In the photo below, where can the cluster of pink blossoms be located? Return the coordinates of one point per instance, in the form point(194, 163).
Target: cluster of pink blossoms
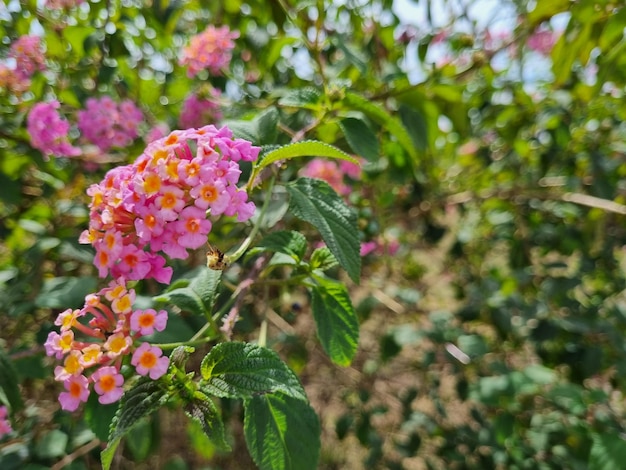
point(107, 124)
point(542, 41)
point(198, 110)
point(28, 56)
point(5, 426)
point(63, 4)
point(211, 50)
point(160, 202)
point(332, 173)
point(108, 327)
point(48, 131)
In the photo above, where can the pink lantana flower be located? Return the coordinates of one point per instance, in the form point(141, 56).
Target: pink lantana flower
point(28, 55)
point(200, 110)
point(147, 321)
point(210, 50)
point(192, 227)
point(107, 124)
point(108, 384)
point(149, 360)
point(49, 131)
point(77, 387)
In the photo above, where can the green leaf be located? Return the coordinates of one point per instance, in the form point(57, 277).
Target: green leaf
point(140, 440)
point(282, 432)
point(288, 242)
point(267, 126)
point(379, 114)
point(323, 259)
point(199, 296)
point(307, 148)
point(608, 452)
point(99, 416)
point(546, 10)
point(301, 98)
point(262, 130)
point(314, 201)
point(360, 137)
point(415, 123)
point(241, 370)
point(52, 445)
point(204, 412)
point(9, 382)
point(76, 36)
point(336, 320)
point(142, 400)
point(65, 292)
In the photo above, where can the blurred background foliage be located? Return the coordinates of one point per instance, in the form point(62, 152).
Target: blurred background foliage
point(492, 338)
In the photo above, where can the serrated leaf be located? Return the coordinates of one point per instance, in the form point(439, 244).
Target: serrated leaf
point(243, 130)
point(204, 412)
point(307, 148)
point(608, 452)
point(241, 370)
point(140, 401)
point(9, 382)
point(314, 201)
point(267, 126)
point(379, 114)
point(360, 137)
point(323, 259)
point(198, 297)
point(282, 432)
point(336, 321)
point(301, 98)
point(262, 130)
point(286, 241)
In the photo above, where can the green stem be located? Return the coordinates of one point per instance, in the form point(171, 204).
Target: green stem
point(192, 342)
point(232, 257)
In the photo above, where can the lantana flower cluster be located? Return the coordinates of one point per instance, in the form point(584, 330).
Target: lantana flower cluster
point(94, 340)
point(332, 173)
point(210, 50)
point(28, 55)
point(199, 109)
point(159, 204)
point(49, 131)
point(63, 4)
point(107, 124)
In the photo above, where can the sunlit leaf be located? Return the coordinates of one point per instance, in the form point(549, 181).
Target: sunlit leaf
point(282, 432)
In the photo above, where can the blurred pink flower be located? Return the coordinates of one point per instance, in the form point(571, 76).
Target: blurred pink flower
point(107, 124)
point(28, 55)
point(11, 81)
point(62, 4)
point(198, 111)
point(542, 41)
point(332, 173)
point(48, 131)
point(5, 425)
point(159, 131)
point(211, 50)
